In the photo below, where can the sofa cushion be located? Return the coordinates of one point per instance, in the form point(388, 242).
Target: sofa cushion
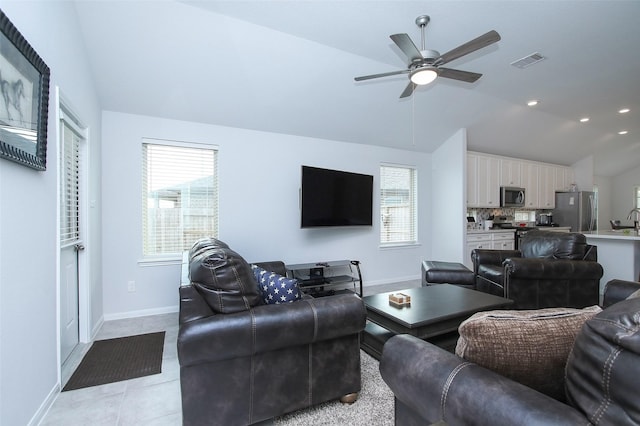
point(528, 346)
point(604, 366)
point(554, 245)
point(634, 295)
point(275, 288)
point(224, 279)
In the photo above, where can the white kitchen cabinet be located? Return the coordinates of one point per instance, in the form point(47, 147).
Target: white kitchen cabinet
point(487, 173)
point(487, 181)
point(488, 241)
point(472, 180)
point(547, 187)
point(504, 241)
point(510, 172)
point(530, 177)
point(477, 241)
point(483, 181)
point(564, 178)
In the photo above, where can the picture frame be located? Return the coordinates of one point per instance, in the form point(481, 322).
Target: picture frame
point(24, 99)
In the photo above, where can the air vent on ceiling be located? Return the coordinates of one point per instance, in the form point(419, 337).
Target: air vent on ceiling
point(528, 60)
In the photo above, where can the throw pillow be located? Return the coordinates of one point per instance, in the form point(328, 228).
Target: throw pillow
point(275, 288)
point(529, 346)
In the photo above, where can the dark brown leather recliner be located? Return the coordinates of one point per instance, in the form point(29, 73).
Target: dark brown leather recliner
point(243, 362)
point(601, 378)
point(551, 269)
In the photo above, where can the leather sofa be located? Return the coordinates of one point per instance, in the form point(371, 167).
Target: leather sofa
point(243, 361)
point(550, 269)
point(432, 385)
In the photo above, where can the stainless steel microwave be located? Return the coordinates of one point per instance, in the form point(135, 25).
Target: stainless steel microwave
point(511, 196)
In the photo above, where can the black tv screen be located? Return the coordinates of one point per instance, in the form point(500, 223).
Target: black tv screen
point(335, 198)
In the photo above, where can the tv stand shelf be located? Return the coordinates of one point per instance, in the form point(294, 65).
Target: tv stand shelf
point(320, 278)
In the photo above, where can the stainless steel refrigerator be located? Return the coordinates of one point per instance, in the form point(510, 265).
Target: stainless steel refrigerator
point(577, 210)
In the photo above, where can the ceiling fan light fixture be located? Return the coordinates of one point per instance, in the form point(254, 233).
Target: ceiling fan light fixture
point(423, 75)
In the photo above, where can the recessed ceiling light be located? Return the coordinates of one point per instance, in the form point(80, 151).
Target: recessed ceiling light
point(584, 119)
point(532, 102)
point(624, 110)
point(623, 132)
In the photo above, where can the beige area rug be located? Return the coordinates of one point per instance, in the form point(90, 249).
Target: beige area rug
point(373, 407)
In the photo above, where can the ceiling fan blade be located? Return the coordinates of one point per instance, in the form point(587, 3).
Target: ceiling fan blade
point(384, 74)
point(408, 90)
point(403, 41)
point(470, 46)
point(466, 76)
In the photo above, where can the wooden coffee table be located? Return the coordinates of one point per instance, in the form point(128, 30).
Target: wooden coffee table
point(434, 315)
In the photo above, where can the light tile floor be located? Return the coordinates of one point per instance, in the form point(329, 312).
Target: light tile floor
point(152, 400)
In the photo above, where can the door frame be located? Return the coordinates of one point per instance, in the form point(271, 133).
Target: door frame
point(84, 293)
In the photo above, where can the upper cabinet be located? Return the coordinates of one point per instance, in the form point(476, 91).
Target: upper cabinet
point(564, 178)
point(547, 187)
point(510, 172)
point(530, 177)
point(483, 181)
point(487, 173)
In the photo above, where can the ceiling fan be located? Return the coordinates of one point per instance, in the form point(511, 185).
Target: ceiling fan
point(425, 65)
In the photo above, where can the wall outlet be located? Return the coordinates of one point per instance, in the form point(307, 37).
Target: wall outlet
point(131, 286)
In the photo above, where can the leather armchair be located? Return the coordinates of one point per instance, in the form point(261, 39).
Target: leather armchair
point(254, 364)
point(432, 385)
point(551, 269)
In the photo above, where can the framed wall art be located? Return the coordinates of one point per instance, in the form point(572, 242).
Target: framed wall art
point(24, 99)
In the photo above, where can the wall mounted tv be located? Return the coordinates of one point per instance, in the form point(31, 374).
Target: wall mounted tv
point(335, 198)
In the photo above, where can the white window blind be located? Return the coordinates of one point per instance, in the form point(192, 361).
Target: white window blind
point(70, 185)
point(398, 205)
point(179, 196)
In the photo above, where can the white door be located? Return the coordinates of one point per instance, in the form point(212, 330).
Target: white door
point(71, 245)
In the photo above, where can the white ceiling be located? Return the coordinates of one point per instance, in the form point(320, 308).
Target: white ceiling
point(288, 67)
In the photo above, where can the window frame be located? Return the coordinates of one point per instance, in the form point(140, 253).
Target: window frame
point(169, 257)
point(412, 198)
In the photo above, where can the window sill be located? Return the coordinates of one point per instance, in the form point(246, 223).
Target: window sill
point(399, 246)
point(160, 261)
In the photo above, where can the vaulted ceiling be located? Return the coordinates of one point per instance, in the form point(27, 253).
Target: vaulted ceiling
point(288, 67)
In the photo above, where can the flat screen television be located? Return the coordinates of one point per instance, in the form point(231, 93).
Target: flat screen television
point(335, 198)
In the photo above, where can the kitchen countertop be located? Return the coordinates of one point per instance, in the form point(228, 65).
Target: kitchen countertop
point(614, 235)
point(489, 231)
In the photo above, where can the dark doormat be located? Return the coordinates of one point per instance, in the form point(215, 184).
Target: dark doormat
point(113, 360)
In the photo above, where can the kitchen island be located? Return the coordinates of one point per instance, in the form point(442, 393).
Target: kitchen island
point(618, 253)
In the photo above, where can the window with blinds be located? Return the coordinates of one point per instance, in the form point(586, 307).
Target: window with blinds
point(70, 185)
point(179, 196)
point(398, 205)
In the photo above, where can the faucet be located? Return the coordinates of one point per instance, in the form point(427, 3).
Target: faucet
point(636, 222)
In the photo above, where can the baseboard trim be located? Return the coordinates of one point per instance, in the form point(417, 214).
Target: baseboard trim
point(141, 313)
point(45, 406)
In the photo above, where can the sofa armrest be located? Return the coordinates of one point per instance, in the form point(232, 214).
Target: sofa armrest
point(192, 305)
point(266, 328)
point(438, 385)
point(491, 257)
point(618, 290)
point(552, 269)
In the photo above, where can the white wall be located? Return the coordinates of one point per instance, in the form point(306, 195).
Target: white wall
point(584, 173)
point(28, 205)
point(259, 208)
point(605, 202)
point(448, 199)
point(622, 193)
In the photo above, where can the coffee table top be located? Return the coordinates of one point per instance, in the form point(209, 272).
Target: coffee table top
point(433, 304)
